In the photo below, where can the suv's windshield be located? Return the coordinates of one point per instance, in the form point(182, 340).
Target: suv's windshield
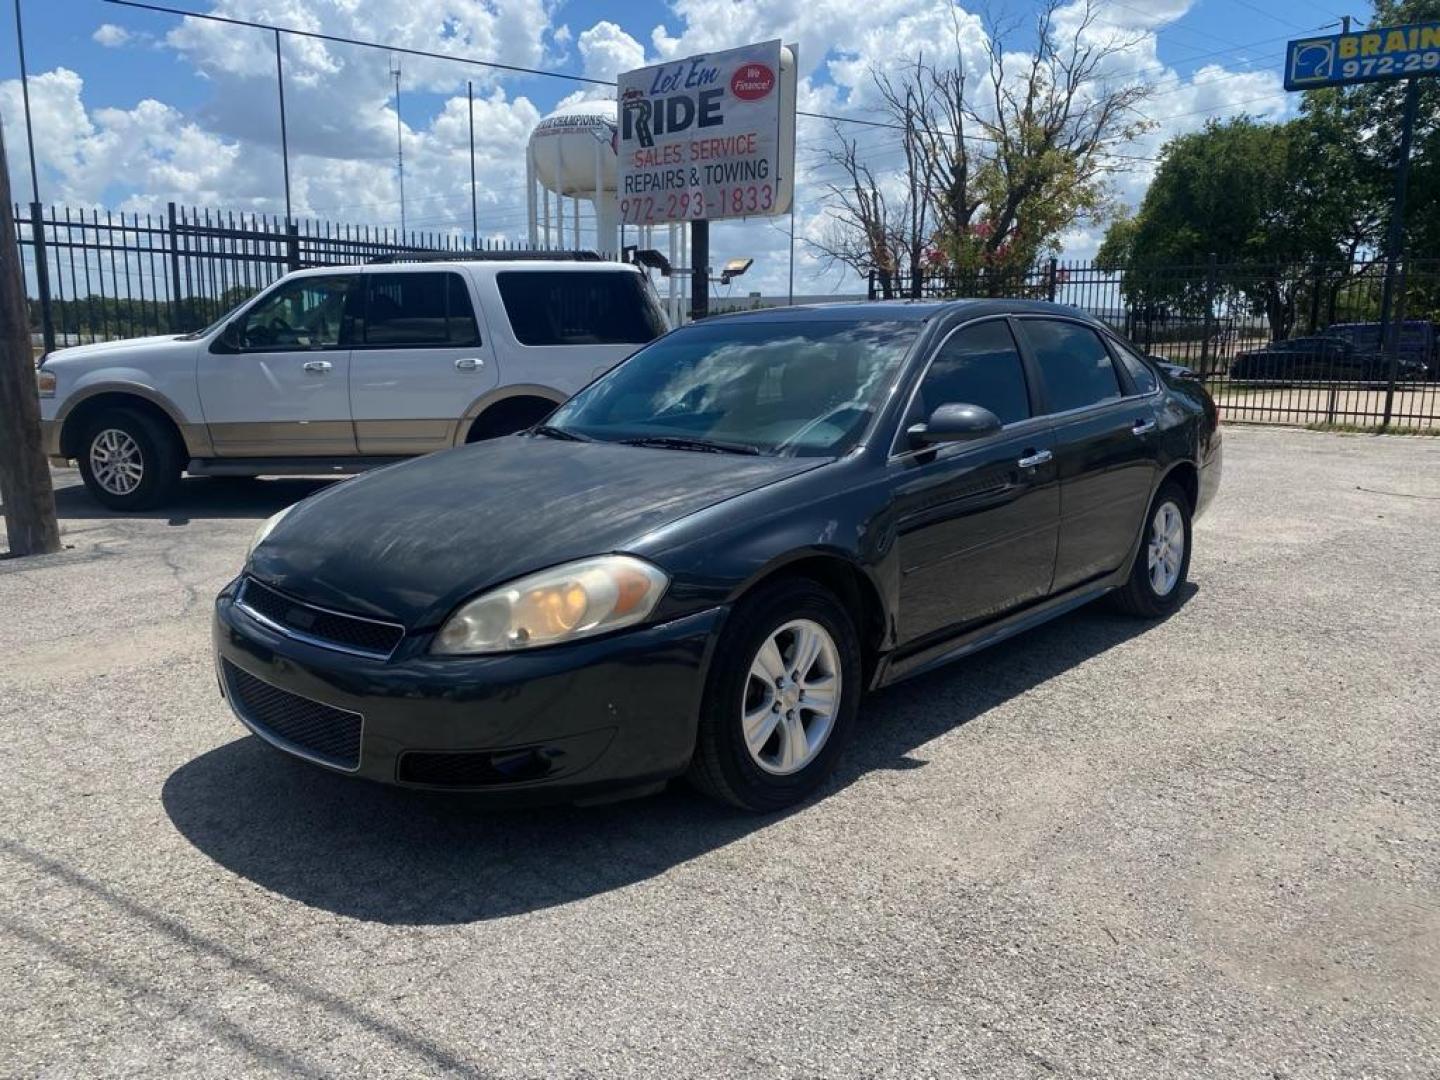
point(806, 388)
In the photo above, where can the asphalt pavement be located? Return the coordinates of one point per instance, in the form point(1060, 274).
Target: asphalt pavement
point(1208, 847)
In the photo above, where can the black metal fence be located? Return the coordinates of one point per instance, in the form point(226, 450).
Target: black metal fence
point(96, 275)
point(1295, 344)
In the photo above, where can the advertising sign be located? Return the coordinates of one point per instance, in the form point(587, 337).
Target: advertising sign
point(708, 137)
point(1385, 52)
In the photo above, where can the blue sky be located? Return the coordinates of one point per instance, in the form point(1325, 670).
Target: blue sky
point(149, 109)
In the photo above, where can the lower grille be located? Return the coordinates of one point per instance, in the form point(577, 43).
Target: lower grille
point(467, 769)
point(323, 732)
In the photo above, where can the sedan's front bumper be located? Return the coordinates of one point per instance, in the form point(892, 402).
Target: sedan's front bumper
point(574, 721)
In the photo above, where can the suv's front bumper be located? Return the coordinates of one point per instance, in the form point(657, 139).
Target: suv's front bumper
point(581, 719)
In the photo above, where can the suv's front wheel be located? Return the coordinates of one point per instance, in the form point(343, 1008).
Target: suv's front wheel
point(129, 461)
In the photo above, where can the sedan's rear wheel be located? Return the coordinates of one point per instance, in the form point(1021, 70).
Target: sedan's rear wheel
point(1157, 579)
point(781, 698)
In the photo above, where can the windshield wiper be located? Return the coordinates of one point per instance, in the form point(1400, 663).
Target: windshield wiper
point(553, 432)
point(683, 442)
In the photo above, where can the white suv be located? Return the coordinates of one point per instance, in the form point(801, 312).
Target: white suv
point(342, 369)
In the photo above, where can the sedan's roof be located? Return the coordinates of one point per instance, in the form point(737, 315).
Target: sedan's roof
point(916, 311)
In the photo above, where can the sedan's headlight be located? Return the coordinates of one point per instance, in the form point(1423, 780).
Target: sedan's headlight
point(45, 383)
point(573, 601)
point(266, 527)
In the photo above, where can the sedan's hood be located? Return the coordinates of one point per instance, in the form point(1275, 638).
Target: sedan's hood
point(411, 541)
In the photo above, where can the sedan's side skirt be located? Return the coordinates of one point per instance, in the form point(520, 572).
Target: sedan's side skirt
point(893, 670)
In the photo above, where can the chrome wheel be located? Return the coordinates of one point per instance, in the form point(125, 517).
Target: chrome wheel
point(116, 461)
point(1166, 549)
point(791, 697)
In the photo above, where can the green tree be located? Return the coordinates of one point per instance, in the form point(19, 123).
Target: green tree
point(1265, 199)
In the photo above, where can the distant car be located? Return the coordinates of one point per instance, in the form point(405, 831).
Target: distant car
point(340, 369)
point(1320, 358)
point(1416, 339)
point(701, 561)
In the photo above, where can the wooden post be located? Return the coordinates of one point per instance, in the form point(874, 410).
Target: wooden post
point(25, 487)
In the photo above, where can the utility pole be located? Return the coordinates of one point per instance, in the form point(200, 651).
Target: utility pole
point(399, 145)
point(25, 488)
point(474, 205)
point(699, 269)
point(284, 137)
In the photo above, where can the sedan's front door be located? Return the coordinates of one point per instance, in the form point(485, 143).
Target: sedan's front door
point(1105, 437)
point(976, 522)
point(276, 384)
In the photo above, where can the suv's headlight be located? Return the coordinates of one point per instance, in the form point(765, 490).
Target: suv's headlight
point(567, 602)
point(45, 383)
point(265, 529)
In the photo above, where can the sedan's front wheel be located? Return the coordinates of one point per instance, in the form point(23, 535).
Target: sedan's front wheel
point(781, 700)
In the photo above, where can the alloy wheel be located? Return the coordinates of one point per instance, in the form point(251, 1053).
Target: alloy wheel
point(116, 461)
point(792, 697)
point(1166, 548)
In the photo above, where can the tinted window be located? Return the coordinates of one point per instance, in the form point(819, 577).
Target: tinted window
point(302, 314)
point(417, 309)
point(978, 365)
point(1139, 371)
point(804, 388)
point(1074, 362)
point(579, 307)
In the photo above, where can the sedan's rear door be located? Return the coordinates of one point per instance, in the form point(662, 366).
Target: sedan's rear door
point(1105, 446)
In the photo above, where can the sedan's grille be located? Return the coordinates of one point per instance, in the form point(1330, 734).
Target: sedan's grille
point(322, 626)
point(323, 732)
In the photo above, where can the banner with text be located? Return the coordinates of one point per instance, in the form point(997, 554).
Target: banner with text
point(708, 137)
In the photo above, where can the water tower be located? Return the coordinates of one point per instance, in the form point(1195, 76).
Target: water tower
point(571, 155)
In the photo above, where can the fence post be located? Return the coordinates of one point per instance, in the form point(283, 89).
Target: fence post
point(1053, 277)
point(42, 277)
point(292, 246)
point(177, 307)
point(1210, 286)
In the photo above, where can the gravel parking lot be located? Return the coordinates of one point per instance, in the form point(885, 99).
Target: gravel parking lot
point(1209, 847)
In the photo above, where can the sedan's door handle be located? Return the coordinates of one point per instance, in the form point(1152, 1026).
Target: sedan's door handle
point(1143, 427)
point(320, 366)
point(1031, 461)
point(469, 363)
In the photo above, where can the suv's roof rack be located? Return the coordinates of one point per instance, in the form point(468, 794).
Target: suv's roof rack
point(486, 256)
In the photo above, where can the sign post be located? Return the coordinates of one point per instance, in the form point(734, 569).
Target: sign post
point(1380, 54)
point(705, 139)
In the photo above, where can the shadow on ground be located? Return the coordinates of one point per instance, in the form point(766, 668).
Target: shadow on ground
point(395, 856)
point(202, 498)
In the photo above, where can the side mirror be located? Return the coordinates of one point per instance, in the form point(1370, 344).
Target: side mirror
point(954, 423)
point(231, 337)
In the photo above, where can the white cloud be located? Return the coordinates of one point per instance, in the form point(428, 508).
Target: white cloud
point(608, 50)
point(111, 36)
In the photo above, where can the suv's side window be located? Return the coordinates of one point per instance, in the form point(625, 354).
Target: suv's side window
point(977, 365)
point(1139, 371)
point(302, 314)
point(1074, 363)
point(417, 309)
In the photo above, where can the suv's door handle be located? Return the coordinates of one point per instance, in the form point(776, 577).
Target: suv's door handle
point(469, 363)
point(1143, 427)
point(1030, 461)
point(321, 366)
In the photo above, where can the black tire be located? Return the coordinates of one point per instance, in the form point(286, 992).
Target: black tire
point(723, 766)
point(509, 416)
point(159, 458)
point(1140, 596)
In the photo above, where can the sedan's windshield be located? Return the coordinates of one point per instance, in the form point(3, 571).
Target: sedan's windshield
point(806, 388)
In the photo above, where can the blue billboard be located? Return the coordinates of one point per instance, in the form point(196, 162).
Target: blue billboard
point(1384, 52)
